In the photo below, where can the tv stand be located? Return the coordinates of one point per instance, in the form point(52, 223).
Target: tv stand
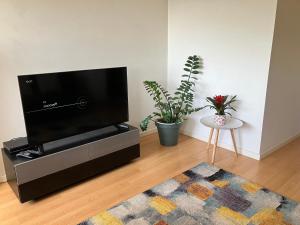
point(56, 169)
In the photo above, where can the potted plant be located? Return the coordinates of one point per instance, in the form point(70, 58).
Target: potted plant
point(221, 104)
point(172, 109)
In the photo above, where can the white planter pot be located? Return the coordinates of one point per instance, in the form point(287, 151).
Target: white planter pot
point(220, 120)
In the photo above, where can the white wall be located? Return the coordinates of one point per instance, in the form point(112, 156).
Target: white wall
point(282, 117)
point(233, 37)
point(235, 40)
point(57, 35)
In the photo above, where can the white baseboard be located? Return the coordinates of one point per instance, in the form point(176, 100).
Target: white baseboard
point(2, 179)
point(226, 146)
point(276, 147)
point(241, 151)
point(148, 132)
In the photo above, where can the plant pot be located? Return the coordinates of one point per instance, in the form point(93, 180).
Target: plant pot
point(220, 120)
point(168, 133)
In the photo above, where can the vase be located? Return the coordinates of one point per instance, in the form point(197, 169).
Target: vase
point(168, 133)
point(220, 120)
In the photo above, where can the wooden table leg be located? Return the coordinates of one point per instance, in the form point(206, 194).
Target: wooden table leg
point(215, 147)
point(210, 137)
point(234, 143)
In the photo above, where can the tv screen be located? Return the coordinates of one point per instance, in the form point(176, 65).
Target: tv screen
point(63, 104)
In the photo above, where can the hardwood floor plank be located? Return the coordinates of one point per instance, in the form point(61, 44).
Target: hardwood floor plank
point(279, 172)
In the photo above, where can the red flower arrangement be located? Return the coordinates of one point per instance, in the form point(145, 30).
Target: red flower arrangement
point(221, 104)
point(219, 99)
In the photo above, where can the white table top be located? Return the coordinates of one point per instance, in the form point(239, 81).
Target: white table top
point(231, 123)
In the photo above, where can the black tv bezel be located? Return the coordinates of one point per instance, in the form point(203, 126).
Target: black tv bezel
point(40, 145)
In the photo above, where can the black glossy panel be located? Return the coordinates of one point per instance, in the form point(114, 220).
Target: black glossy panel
point(59, 105)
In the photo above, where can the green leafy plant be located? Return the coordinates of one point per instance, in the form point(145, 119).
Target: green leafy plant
point(174, 108)
point(221, 104)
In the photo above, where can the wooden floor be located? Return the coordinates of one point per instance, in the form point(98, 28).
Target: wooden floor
point(279, 172)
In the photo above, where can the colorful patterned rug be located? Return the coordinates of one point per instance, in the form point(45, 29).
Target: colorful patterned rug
point(204, 195)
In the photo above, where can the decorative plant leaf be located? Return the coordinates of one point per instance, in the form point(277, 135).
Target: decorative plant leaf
point(144, 124)
point(173, 109)
point(221, 104)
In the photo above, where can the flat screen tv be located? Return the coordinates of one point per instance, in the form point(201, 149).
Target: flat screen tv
point(63, 104)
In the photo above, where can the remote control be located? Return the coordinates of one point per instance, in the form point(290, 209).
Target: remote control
point(25, 154)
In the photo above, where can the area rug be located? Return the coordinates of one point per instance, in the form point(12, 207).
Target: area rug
point(203, 195)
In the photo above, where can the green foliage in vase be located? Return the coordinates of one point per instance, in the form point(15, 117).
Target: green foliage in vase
point(174, 108)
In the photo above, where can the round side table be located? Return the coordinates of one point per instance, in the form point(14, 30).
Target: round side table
point(231, 124)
